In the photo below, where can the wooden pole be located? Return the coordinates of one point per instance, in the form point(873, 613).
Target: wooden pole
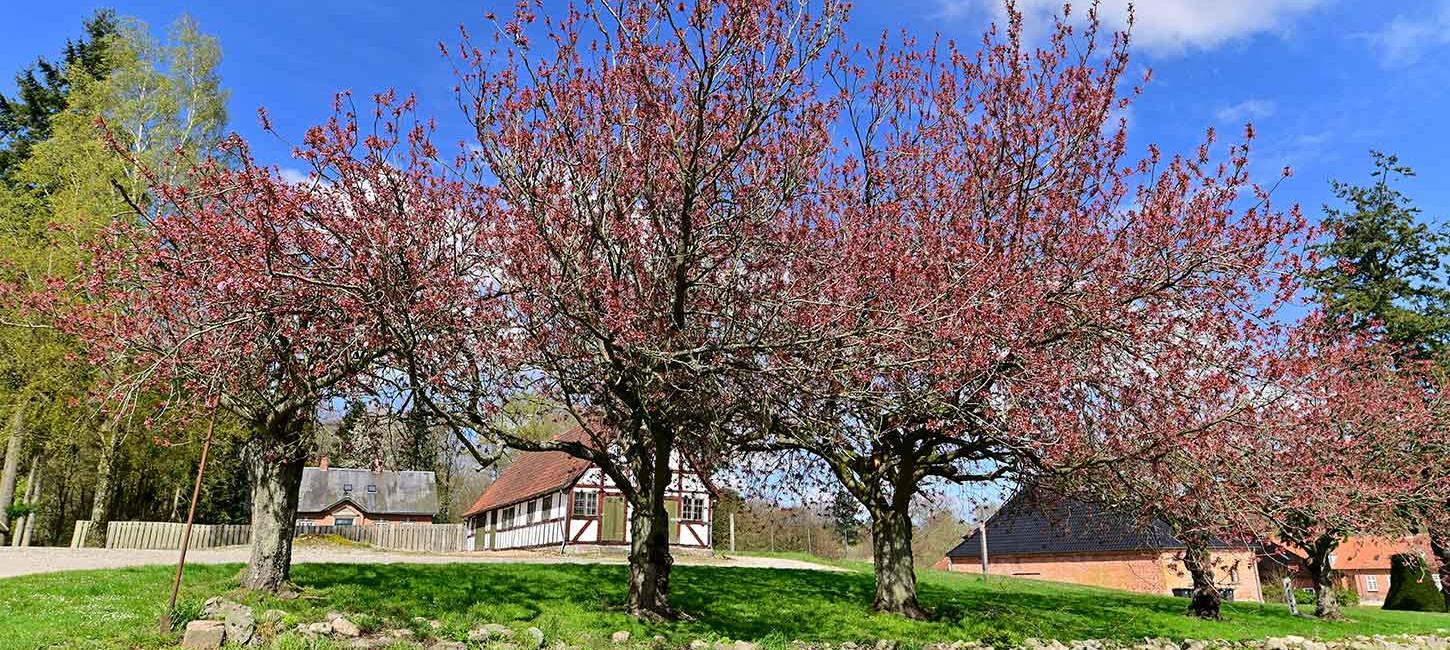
point(732, 531)
point(982, 529)
point(190, 518)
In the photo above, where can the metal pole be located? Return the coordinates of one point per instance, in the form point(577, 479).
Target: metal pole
point(190, 518)
point(982, 530)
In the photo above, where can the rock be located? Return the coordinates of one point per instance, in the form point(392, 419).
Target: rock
point(322, 628)
point(371, 643)
point(237, 618)
point(288, 594)
point(746, 645)
point(533, 638)
point(400, 633)
point(332, 616)
point(699, 644)
point(204, 635)
point(432, 624)
point(448, 645)
point(619, 638)
point(343, 627)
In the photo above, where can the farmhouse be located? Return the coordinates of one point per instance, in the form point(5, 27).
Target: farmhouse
point(554, 500)
point(355, 497)
point(1361, 564)
point(1055, 538)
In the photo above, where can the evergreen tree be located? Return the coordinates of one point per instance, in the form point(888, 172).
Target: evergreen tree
point(845, 515)
point(1383, 265)
point(43, 87)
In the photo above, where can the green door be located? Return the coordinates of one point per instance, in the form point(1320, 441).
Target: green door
point(672, 508)
point(612, 527)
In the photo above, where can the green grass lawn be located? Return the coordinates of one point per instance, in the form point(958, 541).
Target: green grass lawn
point(580, 604)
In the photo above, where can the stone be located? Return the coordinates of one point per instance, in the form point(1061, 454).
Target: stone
point(533, 638)
point(321, 628)
point(448, 645)
point(288, 594)
point(746, 645)
point(370, 643)
point(343, 627)
point(401, 633)
point(699, 644)
point(620, 637)
point(236, 617)
point(204, 635)
point(332, 616)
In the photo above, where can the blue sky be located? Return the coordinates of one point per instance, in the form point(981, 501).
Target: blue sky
point(1322, 80)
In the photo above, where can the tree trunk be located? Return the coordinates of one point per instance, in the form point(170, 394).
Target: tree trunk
point(275, 458)
point(650, 560)
point(895, 570)
point(8, 476)
point(1326, 604)
point(32, 497)
point(105, 489)
point(1205, 601)
point(1440, 546)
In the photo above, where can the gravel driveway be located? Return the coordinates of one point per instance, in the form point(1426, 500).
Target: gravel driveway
point(44, 559)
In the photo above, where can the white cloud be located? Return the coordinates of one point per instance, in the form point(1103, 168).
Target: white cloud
point(1405, 39)
point(1246, 111)
point(1162, 26)
point(293, 176)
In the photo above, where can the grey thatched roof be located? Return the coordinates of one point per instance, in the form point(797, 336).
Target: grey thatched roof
point(392, 493)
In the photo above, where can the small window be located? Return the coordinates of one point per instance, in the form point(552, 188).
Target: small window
point(508, 518)
point(342, 521)
point(533, 512)
point(1372, 583)
point(549, 506)
point(346, 488)
point(692, 507)
point(372, 488)
point(1233, 576)
point(586, 504)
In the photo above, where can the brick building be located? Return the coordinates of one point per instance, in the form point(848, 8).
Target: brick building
point(335, 496)
point(1048, 537)
point(1361, 564)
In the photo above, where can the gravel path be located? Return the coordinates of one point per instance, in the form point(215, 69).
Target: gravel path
point(44, 559)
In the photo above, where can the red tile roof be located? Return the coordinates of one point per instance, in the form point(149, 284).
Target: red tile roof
point(533, 473)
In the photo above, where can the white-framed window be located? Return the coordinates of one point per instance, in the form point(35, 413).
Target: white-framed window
point(304, 522)
point(548, 508)
point(508, 518)
point(692, 507)
point(533, 512)
point(1372, 583)
point(586, 504)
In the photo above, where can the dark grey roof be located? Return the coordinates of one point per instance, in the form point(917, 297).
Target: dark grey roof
point(1041, 523)
point(397, 493)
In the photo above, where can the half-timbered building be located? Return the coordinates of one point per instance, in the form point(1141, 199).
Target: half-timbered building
point(550, 499)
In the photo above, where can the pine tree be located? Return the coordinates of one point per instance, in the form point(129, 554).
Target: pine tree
point(43, 88)
point(1383, 265)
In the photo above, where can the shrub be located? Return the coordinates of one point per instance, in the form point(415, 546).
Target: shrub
point(1412, 588)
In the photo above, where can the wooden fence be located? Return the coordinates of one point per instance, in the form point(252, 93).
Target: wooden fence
point(163, 535)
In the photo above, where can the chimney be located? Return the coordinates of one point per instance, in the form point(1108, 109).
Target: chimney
point(322, 463)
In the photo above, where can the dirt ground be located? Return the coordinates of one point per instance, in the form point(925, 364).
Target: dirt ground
point(41, 559)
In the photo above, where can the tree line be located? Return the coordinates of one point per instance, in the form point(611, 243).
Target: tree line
point(728, 231)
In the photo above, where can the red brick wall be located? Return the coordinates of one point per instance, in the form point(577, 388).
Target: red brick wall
point(1147, 572)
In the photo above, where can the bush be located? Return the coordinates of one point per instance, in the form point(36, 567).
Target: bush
point(1412, 588)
